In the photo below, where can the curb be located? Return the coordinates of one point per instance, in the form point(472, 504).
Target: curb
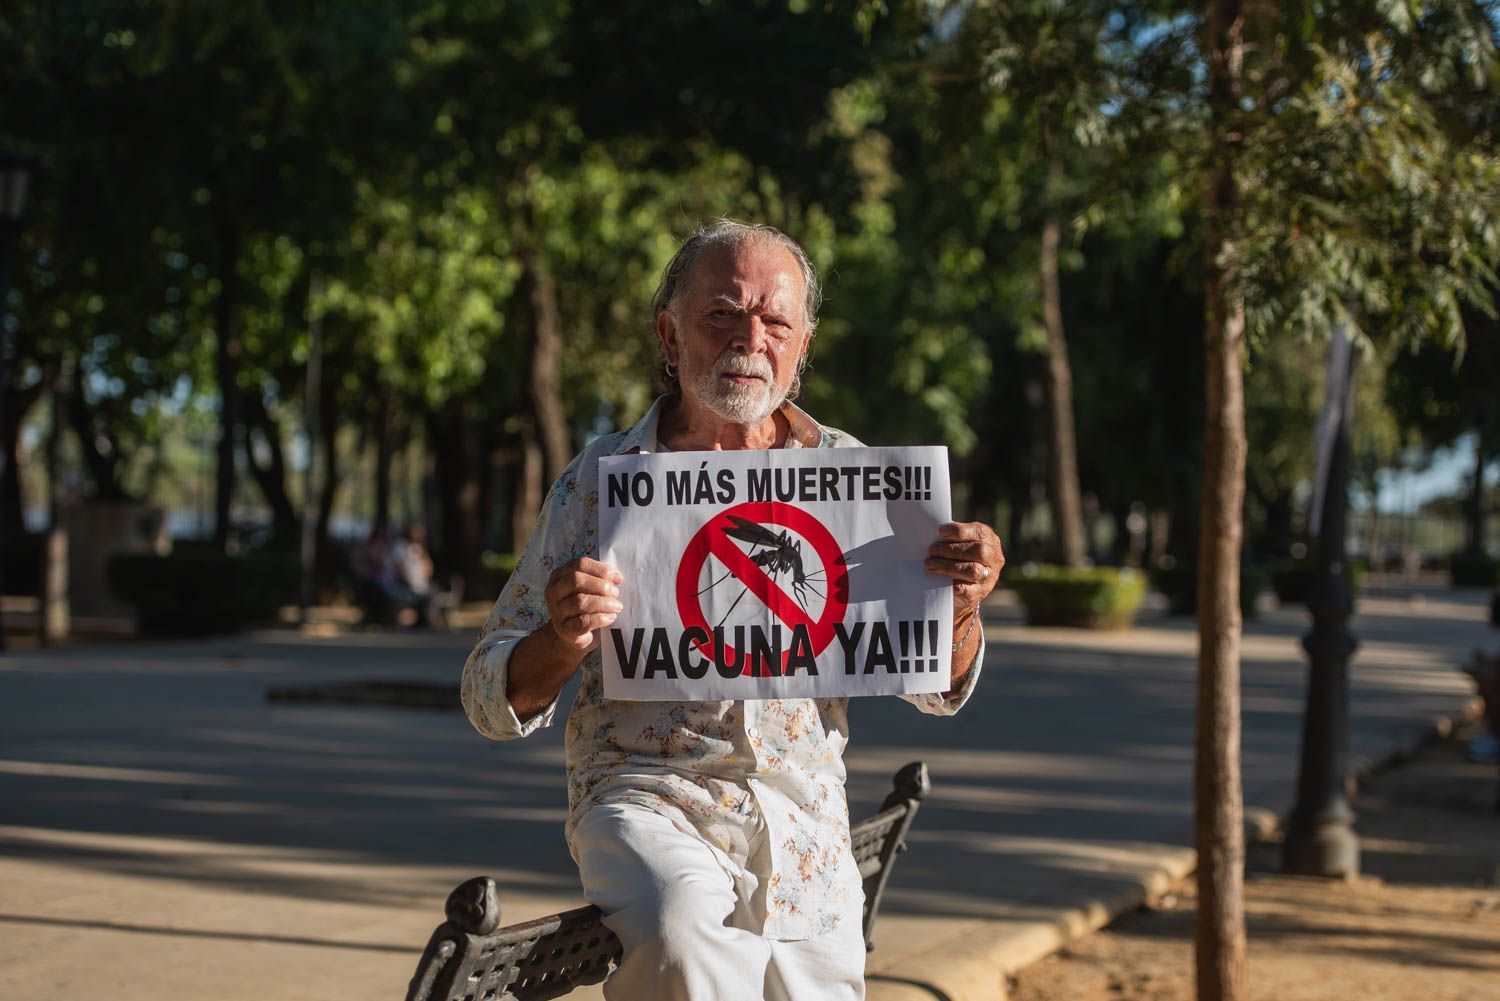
point(976, 964)
point(977, 967)
point(1438, 728)
point(1268, 825)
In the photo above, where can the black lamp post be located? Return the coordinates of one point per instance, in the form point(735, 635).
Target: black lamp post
point(1320, 836)
point(15, 182)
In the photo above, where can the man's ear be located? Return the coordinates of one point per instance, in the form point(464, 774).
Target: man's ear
point(666, 332)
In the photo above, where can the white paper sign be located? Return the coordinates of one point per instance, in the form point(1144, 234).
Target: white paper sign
point(778, 573)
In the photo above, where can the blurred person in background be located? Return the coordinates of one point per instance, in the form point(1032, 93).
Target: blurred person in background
point(413, 574)
point(1486, 674)
point(375, 577)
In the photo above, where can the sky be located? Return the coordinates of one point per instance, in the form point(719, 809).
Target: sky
point(1403, 491)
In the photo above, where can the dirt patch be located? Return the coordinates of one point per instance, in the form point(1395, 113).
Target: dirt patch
point(1422, 922)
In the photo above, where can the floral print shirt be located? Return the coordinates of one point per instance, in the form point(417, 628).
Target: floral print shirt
point(706, 766)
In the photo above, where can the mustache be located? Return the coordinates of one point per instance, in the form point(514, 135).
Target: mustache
point(737, 364)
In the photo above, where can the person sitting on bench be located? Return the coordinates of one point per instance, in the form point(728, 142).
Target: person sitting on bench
point(1485, 670)
point(713, 836)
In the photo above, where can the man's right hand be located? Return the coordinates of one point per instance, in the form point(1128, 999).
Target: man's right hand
point(582, 596)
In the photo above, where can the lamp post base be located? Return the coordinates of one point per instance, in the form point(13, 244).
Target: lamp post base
point(1326, 845)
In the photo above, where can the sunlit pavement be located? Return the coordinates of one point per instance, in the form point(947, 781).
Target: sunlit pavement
point(167, 832)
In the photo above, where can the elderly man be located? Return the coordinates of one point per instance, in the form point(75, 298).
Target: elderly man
point(714, 836)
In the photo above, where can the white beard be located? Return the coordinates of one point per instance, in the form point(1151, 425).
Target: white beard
point(733, 402)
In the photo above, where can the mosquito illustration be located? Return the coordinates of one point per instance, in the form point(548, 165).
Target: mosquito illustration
point(781, 554)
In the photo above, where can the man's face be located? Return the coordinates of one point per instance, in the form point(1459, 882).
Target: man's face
point(739, 331)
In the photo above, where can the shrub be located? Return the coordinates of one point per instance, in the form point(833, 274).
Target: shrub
point(1468, 569)
point(196, 592)
point(1292, 579)
point(1083, 598)
point(1179, 582)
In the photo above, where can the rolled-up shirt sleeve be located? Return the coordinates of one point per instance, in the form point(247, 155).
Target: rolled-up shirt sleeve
point(948, 703)
point(483, 689)
point(522, 608)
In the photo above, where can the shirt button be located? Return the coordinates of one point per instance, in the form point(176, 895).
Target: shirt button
point(753, 733)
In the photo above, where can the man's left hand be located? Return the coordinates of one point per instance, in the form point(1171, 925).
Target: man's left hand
point(969, 552)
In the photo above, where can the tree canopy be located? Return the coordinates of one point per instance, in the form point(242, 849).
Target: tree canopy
point(476, 197)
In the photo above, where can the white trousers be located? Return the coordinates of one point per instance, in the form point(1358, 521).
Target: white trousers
point(688, 926)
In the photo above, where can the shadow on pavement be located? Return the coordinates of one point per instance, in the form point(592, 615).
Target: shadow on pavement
point(1069, 771)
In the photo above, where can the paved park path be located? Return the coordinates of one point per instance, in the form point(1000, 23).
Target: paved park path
point(167, 832)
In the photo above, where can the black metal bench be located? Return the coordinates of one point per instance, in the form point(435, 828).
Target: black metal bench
point(471, 958)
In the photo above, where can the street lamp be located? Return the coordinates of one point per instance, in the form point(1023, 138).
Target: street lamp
point(15, 183)
point(1320, 836)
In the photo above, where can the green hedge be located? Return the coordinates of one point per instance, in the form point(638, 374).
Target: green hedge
point(1179, 583)
point(1078, 597)
point(1292, 579)
point(1473, 570)
point(196, 592)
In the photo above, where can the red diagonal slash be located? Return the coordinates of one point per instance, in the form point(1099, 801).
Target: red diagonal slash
point(711, 538)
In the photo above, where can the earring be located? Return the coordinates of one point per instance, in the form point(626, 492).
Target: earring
point(670, 369)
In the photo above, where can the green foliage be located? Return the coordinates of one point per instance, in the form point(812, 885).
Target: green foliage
point(416, 158)
point(1368, 170)
point(1080, 597)
point(197, 592)
point(429, 291)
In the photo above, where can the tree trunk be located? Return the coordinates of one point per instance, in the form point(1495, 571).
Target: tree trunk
point(1127, 546)
point(383, 452)
point(1015, 525)
point(490, 454)
point(103, 464)
point(271, 477)
point(312, 421)
point(529, 489)
point(226, 366)
point(456, 448)
point(544, 377)
point(328, 419)
point(1219, 820)
point(984, 489)
point(1063, 494)
point(1475, 513)
point(1161, 531)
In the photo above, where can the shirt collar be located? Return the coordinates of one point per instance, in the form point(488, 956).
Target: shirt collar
point(804, 431)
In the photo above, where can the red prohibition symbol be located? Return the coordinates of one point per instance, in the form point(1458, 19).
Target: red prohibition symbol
point(714, 537)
